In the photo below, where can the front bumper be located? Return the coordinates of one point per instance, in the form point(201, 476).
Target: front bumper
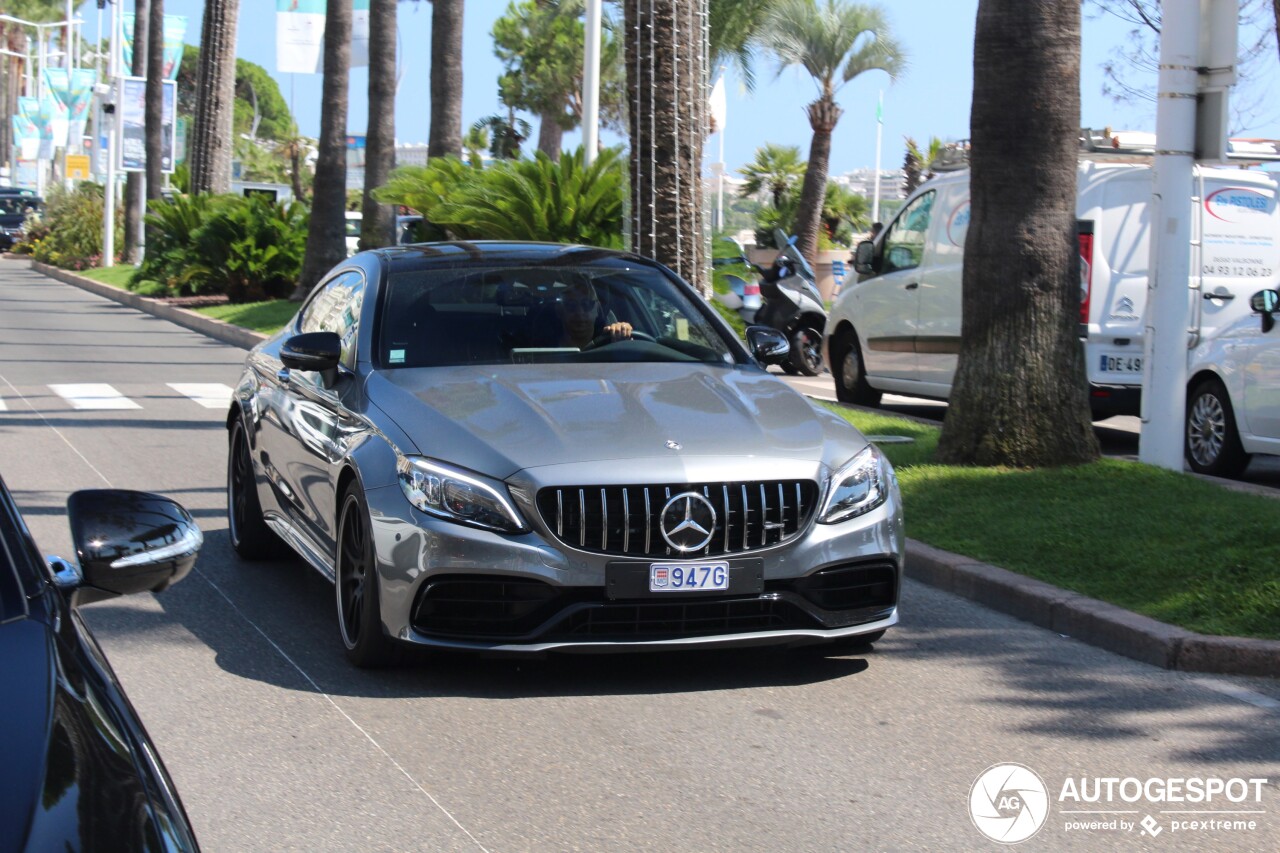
point(448, 586)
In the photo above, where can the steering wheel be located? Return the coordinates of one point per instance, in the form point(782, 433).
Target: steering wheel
point(607, 338)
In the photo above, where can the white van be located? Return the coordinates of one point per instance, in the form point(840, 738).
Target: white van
point(898, 328)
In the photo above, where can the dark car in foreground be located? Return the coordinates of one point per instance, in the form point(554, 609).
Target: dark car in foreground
point(79, 771)
point(528, 448)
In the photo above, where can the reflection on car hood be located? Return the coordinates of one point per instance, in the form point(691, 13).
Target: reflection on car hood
point(500, 420)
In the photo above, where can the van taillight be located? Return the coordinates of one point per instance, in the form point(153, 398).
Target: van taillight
point(1084, 231)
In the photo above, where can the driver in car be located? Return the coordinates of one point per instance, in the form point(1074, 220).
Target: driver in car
point(582, 318)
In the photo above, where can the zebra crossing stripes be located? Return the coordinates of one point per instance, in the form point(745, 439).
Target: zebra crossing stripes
point(211, 395)
point(3, 407)
point(93, 396)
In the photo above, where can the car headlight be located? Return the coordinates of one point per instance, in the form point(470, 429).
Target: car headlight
point(861, 485)
point(456, 495)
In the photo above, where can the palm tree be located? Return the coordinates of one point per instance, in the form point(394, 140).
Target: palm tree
point(378, 220)
point(1020, 393)
point(734, 26)
point(834, 41)
point(133, 181)
point(476, 142)
point(211, 137)
point(777, 169)
point(667, 92)
point(446, 79)
point(154, 109)
point(505, 134)
point(326, 236)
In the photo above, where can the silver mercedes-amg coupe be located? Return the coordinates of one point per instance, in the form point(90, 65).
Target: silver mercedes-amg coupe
point(520, 447)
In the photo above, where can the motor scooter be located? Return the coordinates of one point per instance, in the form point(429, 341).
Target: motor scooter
point(792, 304)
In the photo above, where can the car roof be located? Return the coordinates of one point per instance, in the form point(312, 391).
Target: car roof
point(500, 252)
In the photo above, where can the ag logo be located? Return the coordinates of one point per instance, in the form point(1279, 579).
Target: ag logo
point(1008, 803)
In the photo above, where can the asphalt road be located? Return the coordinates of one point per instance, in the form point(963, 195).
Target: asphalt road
point(275, 743)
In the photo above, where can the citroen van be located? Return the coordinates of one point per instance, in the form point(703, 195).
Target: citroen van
point(897, 329)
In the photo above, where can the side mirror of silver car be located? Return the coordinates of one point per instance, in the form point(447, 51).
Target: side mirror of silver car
point(1266, 303)
point(863, 257)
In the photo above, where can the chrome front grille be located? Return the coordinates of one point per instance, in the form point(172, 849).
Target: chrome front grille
point(626, 520)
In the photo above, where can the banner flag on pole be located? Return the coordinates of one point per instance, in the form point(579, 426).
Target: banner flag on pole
point(175, 34)
point(300, 35)
point(880, 109)
point(718, 106)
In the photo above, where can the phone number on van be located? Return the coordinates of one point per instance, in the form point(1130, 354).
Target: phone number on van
point(1238, 272)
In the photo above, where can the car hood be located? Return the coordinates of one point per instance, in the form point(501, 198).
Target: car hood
point(505, 419)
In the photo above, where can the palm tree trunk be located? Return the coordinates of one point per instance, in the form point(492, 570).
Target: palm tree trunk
point(1019, 397)
point(823, 115)
point(326, 236)
point(211, 137)
point(155, 107)
point(446, 79)
point(133, 181)
point(667, 93)
point(378, 224)
point(550, 136)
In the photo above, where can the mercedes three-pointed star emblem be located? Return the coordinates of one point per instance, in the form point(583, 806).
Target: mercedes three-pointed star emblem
point(688, 522)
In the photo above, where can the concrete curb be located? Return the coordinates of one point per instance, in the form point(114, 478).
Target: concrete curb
point(216, 329)
point(1086, 619)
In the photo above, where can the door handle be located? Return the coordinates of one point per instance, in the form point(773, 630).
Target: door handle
point(283, 375)
point(912, 286)
point(1225, 297)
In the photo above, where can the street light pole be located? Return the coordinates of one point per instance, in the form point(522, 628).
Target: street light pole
point(109, 195)
point(591, 83)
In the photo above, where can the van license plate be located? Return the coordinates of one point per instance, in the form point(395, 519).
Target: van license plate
point(688, 577)
point(1122, 364)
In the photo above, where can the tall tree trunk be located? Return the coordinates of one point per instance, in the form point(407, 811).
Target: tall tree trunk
point(1275, 7)
point(326, 237)
point(823, 115)
point(155, 107)
point(668, 122)
point(211, 137)
point(551, 135)
point(446, 79)
point(1020, 392)
point(378, 225)
point(134, 181)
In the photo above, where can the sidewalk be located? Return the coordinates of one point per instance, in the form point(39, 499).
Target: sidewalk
point(1070, 614)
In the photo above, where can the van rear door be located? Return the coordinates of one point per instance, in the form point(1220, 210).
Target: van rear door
point(1239, 251)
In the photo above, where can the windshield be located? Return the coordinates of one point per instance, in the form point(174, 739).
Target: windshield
point(16, 206)
point(610, 312)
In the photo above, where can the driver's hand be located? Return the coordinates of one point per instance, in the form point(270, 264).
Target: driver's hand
point(618, 331)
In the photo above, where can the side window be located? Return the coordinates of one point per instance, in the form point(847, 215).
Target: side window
point(904, 242)
point(336, 308)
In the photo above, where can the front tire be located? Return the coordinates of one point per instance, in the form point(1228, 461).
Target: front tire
point(250, 536)
point(1212, 441)
point(359, 609)
point(806, 351)
point(848, 372)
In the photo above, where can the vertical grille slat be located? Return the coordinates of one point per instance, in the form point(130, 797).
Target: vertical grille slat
point(748, 516)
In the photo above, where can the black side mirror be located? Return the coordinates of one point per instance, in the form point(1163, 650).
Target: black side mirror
point(863, 257)
point(131, 542)
point(767, 344)
point(315, 351)
point(1266, 303)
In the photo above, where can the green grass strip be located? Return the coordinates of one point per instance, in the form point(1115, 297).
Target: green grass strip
point(116, 276)
point(1161, 543)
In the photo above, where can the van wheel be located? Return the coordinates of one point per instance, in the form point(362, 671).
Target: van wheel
point(846, 368)
point(806, 352)
point(1212, 441)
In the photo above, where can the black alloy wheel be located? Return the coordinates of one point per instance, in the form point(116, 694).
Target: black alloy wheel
point(359, 613)
point(251, 538)
point(1212, 442)
point(847, 370)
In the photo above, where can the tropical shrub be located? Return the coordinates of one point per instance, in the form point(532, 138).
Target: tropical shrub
point(538, 199)
point(69, 234)
point(248, 248)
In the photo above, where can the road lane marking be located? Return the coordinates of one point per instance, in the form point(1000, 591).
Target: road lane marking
point(93, 396)
point(1226, 688)
point(3, 408)
point(211, 395)
point(196, 572)
point(19, 396)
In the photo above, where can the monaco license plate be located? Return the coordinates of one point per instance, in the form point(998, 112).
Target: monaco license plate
point(688, 577)
point(1121, 363)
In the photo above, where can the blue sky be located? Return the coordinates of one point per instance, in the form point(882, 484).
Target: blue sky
point(932, 98)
